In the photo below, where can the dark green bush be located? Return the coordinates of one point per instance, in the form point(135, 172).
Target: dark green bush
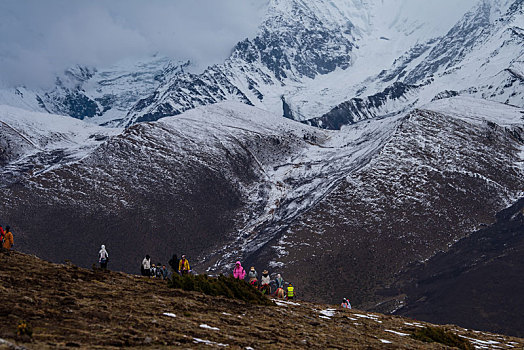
point(223, 285)
point(438, 335)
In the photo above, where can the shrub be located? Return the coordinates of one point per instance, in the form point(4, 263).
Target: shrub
point(438, 335)
point(24, 329)
point(227, 286)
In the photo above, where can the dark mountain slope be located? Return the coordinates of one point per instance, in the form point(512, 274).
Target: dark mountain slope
point(477, 283)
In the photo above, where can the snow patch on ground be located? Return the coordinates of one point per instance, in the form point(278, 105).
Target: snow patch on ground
point(205, 326)
point(397, 333)
point(328, 312)
point(209, 342)
point(169, 314)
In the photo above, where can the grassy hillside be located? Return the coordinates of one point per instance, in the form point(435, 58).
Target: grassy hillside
point(70, 307)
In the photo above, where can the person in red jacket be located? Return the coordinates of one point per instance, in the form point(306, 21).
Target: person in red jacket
point(2, 234)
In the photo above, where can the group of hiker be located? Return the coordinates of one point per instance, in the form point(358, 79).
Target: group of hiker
point(277, 287)
point(154, 271)
point(6, 238)
point(160, 270)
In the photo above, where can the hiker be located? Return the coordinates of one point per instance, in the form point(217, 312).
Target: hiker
point(164, 272)
point(238, 271)
point(159, 273)
point(146, 266)
point(173, 263)
point(252, 275)
point(264, 282)
point(8, 238)
point(345, 304)
point(290, 292)
point(183, 266)
point(279, 281)
point(103, 257)
point(2, 233)
point(152, 271)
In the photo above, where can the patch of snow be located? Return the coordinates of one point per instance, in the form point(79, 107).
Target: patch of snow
point(385, 341)
point(208, 342)
point(325, 317)
point(414, 324)
point(397, 333)
point(205, 326)
point(169, 314)
point(328, 312)
point(285, 303)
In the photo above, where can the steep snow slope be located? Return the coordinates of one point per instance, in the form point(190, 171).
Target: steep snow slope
point(481, 56)
point(32, 142)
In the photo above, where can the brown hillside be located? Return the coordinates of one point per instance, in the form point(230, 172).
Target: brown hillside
point(71, 307)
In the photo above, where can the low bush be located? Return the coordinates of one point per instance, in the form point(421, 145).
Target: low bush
point(24, 329)
point(438, 335)
point(227, 286)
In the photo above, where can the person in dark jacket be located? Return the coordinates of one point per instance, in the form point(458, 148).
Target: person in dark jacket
point(159, 273)
point(173, 263)
point(165, 272)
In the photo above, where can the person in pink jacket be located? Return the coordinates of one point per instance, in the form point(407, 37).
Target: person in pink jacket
point(239, 272)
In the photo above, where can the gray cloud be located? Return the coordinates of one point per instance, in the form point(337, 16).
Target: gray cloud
point(39, 39)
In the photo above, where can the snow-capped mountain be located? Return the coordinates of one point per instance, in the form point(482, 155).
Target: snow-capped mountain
point(306, 58)
point(101, 95)
point(481, 56)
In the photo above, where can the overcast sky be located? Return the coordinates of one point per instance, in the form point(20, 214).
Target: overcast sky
point(39, 38)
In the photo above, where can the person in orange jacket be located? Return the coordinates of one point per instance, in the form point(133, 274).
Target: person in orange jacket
point(8, 239)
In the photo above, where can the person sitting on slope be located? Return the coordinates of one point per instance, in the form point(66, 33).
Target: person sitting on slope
point(345, 304)
point(264, 281)
point(279, 281)
point(159, 272)
point(238, 271)
point(252, 275)
point(152, 271)
point(165, 272)
point(290, 292)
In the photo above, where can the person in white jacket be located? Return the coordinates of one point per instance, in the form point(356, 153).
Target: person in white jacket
point(146, 266)
point(265, 280)
point(103, 257)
